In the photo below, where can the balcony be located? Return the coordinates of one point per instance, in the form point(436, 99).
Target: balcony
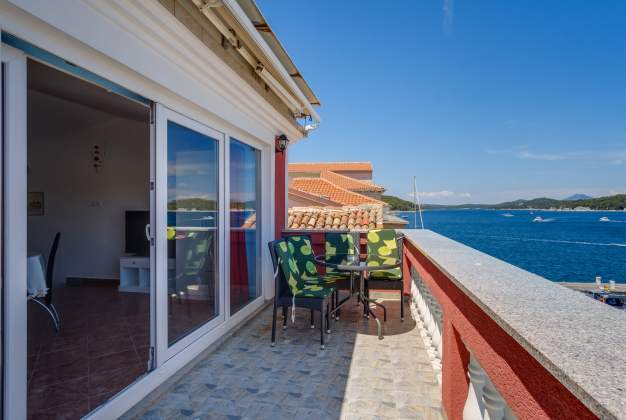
point(484, 338)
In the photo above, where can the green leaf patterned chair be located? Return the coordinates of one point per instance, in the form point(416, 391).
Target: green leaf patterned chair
point(385, 243)
point(341, 243)
point(293, 289)
point(305, 260)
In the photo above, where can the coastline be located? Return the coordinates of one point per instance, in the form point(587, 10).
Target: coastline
point(507, 209)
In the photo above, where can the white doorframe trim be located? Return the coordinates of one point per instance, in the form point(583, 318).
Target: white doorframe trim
point(226, 187)
point(14, 305)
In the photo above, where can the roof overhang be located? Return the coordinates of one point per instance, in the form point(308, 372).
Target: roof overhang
point(243, 25)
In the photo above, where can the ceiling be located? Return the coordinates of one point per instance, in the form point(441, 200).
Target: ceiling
point(49, 81)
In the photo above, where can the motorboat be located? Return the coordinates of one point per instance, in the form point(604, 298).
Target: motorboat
point(605, 219)
point(613, 299)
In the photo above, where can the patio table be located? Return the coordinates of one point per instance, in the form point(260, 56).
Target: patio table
point(362, 264)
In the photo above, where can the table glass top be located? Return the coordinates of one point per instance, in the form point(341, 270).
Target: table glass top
point(359, 262)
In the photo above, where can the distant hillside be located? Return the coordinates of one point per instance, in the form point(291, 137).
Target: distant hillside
point(396, 203)
point(577, 197)
point(200, 204)
point(613, 202)
point(535, 203)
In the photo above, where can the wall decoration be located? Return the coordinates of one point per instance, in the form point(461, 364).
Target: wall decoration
point(35, 204)
point(97, 156)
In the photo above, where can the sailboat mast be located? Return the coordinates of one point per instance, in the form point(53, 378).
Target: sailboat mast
point(417, 207)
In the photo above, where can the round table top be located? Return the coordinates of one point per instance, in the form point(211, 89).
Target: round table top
point(363, 262)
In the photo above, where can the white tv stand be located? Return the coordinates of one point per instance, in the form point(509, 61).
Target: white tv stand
point(135, 274)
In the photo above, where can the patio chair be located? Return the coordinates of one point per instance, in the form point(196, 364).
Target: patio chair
point(292, 290)
point(46, 301)
point(305, 260)
point(385, 243)
point(341, 243)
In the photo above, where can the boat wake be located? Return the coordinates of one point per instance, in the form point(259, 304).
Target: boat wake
point(540, 219)
point(559, 241)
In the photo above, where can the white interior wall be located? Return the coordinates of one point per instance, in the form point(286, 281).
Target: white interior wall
point(86, 206)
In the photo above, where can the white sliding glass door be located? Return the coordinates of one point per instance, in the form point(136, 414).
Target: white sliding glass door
point(13, 116)
point(189, 231)
point(245, 222)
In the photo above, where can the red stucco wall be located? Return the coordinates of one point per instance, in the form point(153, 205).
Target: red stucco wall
point(280, 192)
point(528, 388)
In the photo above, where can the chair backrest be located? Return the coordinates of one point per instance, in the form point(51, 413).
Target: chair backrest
point(340, 243)
point(288, 280)
point(50, 266)
point(383, 242)
point(303, 254)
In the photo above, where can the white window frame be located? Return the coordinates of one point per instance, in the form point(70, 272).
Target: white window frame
point(262, 210)
point(163, 350)
point(14, 231)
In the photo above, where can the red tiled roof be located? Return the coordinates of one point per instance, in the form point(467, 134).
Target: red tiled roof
point(350, 183)
point(345, 218)
point(328, 190)
point(330, 166)
point(314, 200)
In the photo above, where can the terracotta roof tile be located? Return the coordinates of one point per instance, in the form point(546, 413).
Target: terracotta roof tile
point(330, 166)
point(344, 218)
point(350, 183)
point(314, 200)
point(327, 189)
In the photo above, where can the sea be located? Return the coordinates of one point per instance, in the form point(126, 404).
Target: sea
point(564, 246)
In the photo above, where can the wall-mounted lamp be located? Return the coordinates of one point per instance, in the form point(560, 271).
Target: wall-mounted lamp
point(281, 142)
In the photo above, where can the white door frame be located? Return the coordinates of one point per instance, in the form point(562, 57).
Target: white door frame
point(14, 230)
point(163, 350)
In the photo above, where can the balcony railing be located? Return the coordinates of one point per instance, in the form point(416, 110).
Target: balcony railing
point(508, 343)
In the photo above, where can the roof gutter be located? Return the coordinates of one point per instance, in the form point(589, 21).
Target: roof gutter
point(297, 107)
point(245, 22)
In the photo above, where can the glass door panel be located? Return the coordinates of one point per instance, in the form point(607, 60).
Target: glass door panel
point(245, 200)
point(189, 231)
point(192, 220)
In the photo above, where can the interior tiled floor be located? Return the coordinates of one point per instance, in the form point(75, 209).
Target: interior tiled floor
point(102, 347)
point(356, 376)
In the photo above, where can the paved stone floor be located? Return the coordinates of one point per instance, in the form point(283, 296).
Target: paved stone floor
point(356, 376)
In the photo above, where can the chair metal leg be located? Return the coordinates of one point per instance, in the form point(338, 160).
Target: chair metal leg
point(337, 304)
point(54, 320)
point(312, 319)
point(322, 317)
point(402, 305)
point(328, 316)
point(274, 323)
point(56, 314)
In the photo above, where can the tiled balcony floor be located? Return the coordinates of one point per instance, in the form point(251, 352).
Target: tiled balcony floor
point(357, 376)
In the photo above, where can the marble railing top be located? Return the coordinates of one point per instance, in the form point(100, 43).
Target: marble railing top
point(581, 341)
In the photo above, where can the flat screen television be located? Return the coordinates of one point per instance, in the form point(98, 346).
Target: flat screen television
point(136, 241)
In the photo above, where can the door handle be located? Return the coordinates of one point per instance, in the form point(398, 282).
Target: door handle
point(147, 229)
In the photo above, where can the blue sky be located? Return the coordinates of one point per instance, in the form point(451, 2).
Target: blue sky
point(483, 101)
